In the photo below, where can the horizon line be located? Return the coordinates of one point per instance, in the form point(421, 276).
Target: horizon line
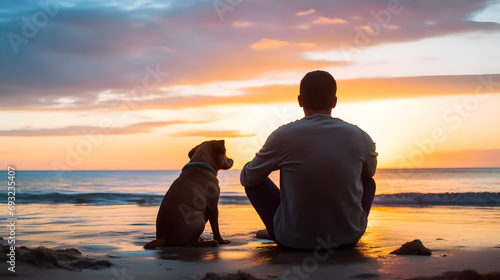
point(383, 168)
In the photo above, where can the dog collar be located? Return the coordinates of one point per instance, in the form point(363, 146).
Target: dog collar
point(200, 164)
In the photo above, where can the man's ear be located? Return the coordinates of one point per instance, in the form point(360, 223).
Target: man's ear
point(191, 153)
point(334, 102)
point(300, 101)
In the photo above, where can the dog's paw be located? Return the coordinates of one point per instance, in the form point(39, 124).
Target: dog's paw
point(223, 241)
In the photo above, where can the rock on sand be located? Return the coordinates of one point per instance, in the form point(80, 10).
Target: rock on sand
point(414, 247)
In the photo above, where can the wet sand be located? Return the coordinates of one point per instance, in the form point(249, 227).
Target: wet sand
point(459, 238)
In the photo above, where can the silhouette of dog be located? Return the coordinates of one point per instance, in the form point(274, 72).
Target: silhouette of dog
point(192, 200)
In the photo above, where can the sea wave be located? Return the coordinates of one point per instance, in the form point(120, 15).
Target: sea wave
point(109, 198)
point(424, 199)
point(88, 198)
point(398, 199)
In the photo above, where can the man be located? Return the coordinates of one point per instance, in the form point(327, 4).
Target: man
point(326, 168)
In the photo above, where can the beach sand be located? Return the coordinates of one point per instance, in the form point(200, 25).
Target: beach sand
point(470, 240)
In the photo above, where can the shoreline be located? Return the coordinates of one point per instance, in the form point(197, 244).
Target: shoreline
point(470, 240)
point(270, 261)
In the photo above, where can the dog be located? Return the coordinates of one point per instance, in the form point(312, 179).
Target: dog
point(192, 200)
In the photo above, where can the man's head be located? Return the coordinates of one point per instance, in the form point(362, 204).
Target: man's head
point(318, 91)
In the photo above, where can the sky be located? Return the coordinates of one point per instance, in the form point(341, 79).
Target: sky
point(134, 85)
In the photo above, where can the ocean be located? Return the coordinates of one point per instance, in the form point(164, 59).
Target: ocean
point(464, 186)
point(114, 212)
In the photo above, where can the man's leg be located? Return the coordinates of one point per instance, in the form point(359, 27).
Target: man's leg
point(265, 198)
point(368, 194)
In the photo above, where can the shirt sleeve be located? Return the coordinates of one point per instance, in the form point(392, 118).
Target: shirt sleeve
point(265, 161)
point(370, 161)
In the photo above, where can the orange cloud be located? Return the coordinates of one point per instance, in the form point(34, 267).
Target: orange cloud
point(464, 159)
point(143, 127)
point(213, 134)
point(306, 45)
point(354, 90)
point(302, 27)
point(366, 28)
point(246, 66)
point(325, 20)
point(303, 13)
point(393, 27)
point(239, 24)
point(268, 44)
point(410, 87)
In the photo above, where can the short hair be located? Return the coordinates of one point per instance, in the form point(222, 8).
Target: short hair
point(318, 90)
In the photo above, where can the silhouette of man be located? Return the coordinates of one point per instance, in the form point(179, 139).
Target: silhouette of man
point(326, 168)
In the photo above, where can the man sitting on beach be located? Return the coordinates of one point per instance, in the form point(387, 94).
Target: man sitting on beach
point(326, 168)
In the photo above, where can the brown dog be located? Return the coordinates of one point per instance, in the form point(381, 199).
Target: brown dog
point(192, 200)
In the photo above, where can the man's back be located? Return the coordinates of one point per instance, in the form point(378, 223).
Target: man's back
point(321, 161)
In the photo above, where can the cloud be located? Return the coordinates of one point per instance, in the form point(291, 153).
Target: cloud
point(414, 87)
point(268, 44)
point(306, 45)
point(213, 134)
point(239, 24)
point(308, 12)
point(143, 127)
point(464, 159)
point(89, 47)
point(353, 90)
point(325, 20)
point(393, 27)
point(303, 27)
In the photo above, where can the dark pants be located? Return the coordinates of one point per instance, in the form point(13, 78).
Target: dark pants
point(266, 198)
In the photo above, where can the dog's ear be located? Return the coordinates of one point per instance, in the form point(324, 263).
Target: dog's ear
point(193, 150)
point(219, 146)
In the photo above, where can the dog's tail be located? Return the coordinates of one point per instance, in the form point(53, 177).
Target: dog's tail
point(155, 243)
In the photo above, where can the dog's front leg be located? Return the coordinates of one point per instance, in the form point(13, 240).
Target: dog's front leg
point(213, 217)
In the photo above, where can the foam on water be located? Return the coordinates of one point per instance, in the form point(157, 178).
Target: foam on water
point(400, 199)
point(469, 186)
point(462, 199)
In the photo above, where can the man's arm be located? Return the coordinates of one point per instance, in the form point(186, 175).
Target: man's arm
point(370, 162)
point(264, 162)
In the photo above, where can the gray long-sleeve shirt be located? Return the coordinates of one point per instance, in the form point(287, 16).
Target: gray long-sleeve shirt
point(321, 161)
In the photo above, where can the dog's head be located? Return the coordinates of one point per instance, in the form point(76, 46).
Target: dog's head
point(216, 150)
